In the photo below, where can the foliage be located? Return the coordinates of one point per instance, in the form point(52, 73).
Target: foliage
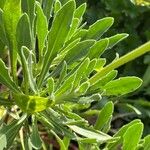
point(55, 75)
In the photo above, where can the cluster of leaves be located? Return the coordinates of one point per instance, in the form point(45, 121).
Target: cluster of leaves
point(55, 75)
point(132, 19)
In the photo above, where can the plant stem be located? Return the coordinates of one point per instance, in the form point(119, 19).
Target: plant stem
point(121, 61)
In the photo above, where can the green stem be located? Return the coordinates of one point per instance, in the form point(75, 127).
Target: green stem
point(121, 61)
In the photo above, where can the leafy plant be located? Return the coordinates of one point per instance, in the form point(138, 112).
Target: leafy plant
point(55, 74)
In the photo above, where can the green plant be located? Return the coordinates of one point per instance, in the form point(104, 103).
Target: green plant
point(55, 75)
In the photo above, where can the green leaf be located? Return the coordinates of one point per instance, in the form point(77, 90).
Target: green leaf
point(60, 29)
point(9, 132)
point(2, 3)
point(80, 11)
point(122, 86)
point(98, 48)
point(28, 6)
point(146, 144)
point(116, 39)
point(47, 8)
point(32, 104)
point(5, 78)
point(99, 28)
point(57, 6)
point(41, 29)
point(99, 136)
point(35, 139)
point(104, 116)
point(23, 34)
point(120, 133)
point(50, 86)
point(11, 15)
point(134, 131)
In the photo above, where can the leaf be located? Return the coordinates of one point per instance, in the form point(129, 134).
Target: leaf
point(57, 35)
point(104, 116)
point(28, 6)
point(32, 104)
point(99, 136)
point(122, 86)
point(35, 139)
point(11, 15)
point(120, 133)
point(134, 131)
point(41, 29)
point(47, 8)
point(146, 144)
point(80, 11)
point(116, 39)
point(9, 132)
point(50, 86)
point(5, 78)
point(57, 6)
point(2, 3)
point(99, 28)
point(98, 48)
point(23, 33)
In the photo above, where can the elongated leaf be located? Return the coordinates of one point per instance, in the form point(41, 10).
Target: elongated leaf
point(5, 78)
point(98, 48)
point(47, 8)
point(9, 132)
point(135, 130)
point(35, 137)
point(122, 86)
point(12, 13)
point(2, 3)
point(116, 39)
point(57, 6)
point(80, 11)
point(59, 30)
point(99, 28)
point(146, 144)
point(41, 28)
point(32, 104)
point(104, 116)
point(99, 136)
point(23, 34)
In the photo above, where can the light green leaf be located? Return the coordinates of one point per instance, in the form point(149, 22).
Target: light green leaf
point(32, 104)
point(41, 29)
point(134, 131)
point(23, 34)
point(9, 132)
point(60, 29)
point(57, 6)
point(104, 116)
point(116, 39)
point(35, 139)
point(5, 78)
point(11, 15)
point(99, 136)
point(47, 8)
point(122, 86)
point(99, 28)
point(50, 86)
point(80, 11)
point(2, 3)
point(98, 48)
point(100, 64)
point(146, 144)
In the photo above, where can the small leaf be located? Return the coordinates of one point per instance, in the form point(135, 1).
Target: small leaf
point(80, 11)
point(104, 116)
point(5, 78)
point(41, 28)
point(122, 86)
point(99, 136)
point(135, 130)
point(57, 6)
point(98, 48)
point(116, 39)
point(35, 139)
point(146, 144)
point(50, 85)
point(99, 28)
